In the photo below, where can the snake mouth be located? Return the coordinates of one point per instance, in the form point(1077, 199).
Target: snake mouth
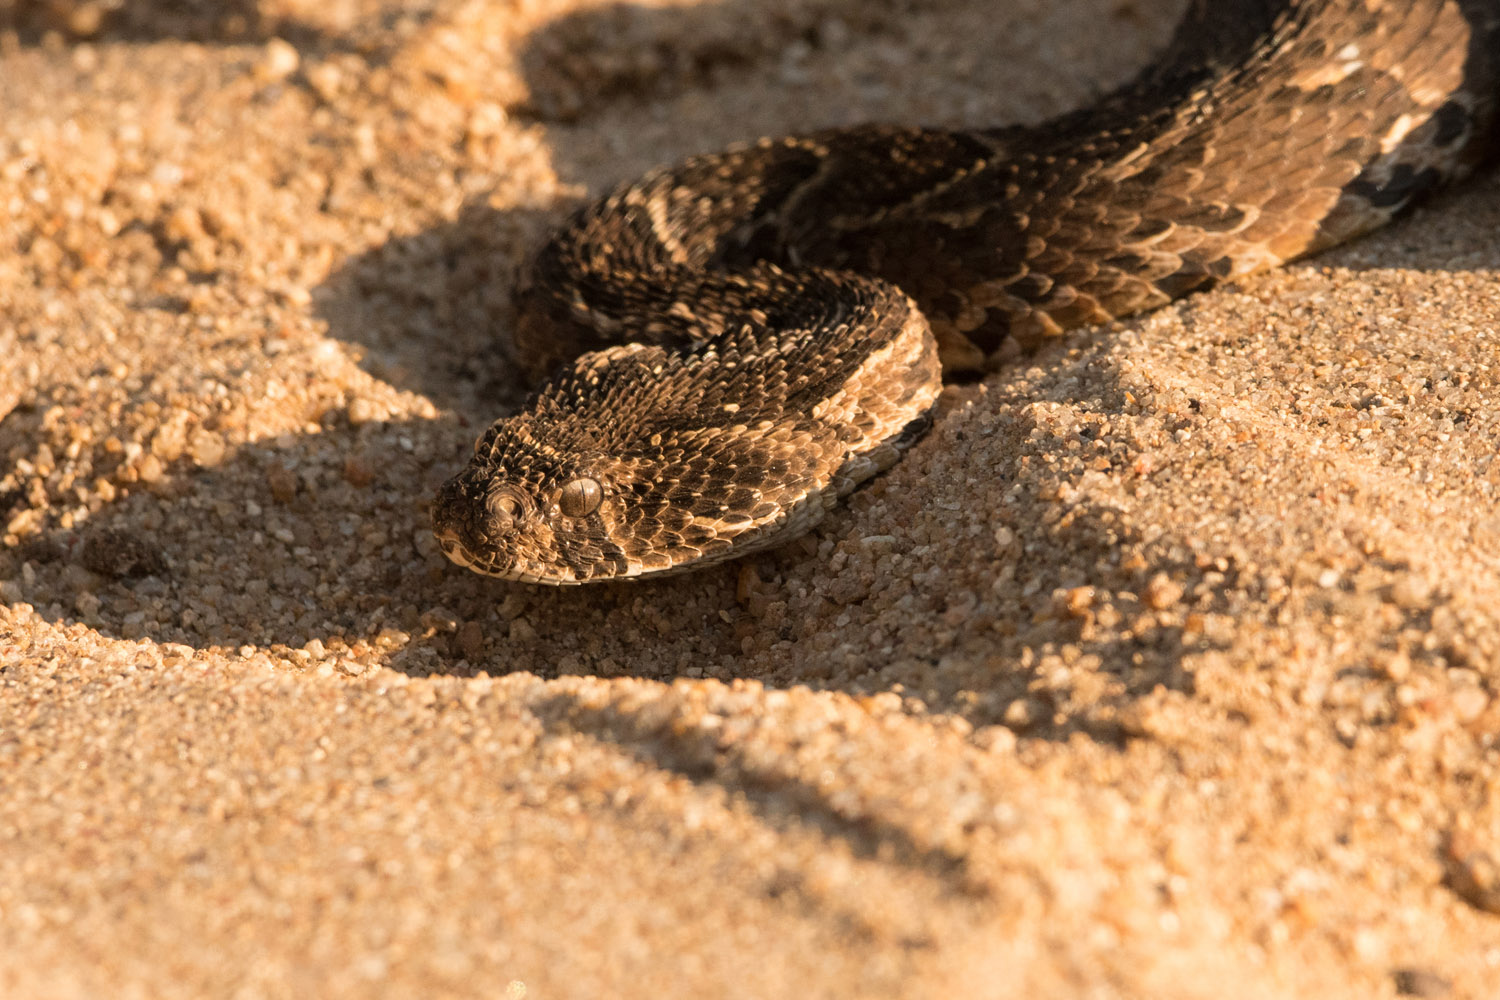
point(453, 548)
point(458, 554)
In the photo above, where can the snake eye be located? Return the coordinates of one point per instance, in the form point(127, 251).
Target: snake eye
point(580, 497)
point(501, 510)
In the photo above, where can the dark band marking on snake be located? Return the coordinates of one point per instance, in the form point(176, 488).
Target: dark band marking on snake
point(735, 342)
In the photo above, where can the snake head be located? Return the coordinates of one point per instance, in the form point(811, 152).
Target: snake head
point(641, 461)
point(523, 510)
point(569, 491)
point(534, 506)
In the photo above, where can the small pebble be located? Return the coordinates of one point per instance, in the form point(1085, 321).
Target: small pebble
point(120, 554)
point(1162, 592)
point(283, 483)
point(279, 60)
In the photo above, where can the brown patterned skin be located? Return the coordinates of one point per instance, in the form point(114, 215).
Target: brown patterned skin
point(785, 303)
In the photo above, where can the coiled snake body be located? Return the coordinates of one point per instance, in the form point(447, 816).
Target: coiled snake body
point(745, 337)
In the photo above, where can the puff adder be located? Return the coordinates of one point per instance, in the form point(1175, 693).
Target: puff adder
point(735, 342)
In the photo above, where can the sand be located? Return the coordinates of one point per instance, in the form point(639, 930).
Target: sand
point(1167, 666)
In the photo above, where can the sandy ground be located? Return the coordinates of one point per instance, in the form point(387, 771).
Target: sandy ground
point(1167, 666)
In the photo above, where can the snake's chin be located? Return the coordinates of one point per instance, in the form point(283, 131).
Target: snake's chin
point(459, 555)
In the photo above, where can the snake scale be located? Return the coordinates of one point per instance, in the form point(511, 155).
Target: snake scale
point(735, 342)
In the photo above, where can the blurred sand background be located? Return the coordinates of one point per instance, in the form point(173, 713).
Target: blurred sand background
point(1167, 666)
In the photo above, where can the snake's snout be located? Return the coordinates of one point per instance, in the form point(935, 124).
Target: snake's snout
point(457, 521)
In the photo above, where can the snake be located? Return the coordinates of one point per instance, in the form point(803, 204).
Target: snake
point(725, 347)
